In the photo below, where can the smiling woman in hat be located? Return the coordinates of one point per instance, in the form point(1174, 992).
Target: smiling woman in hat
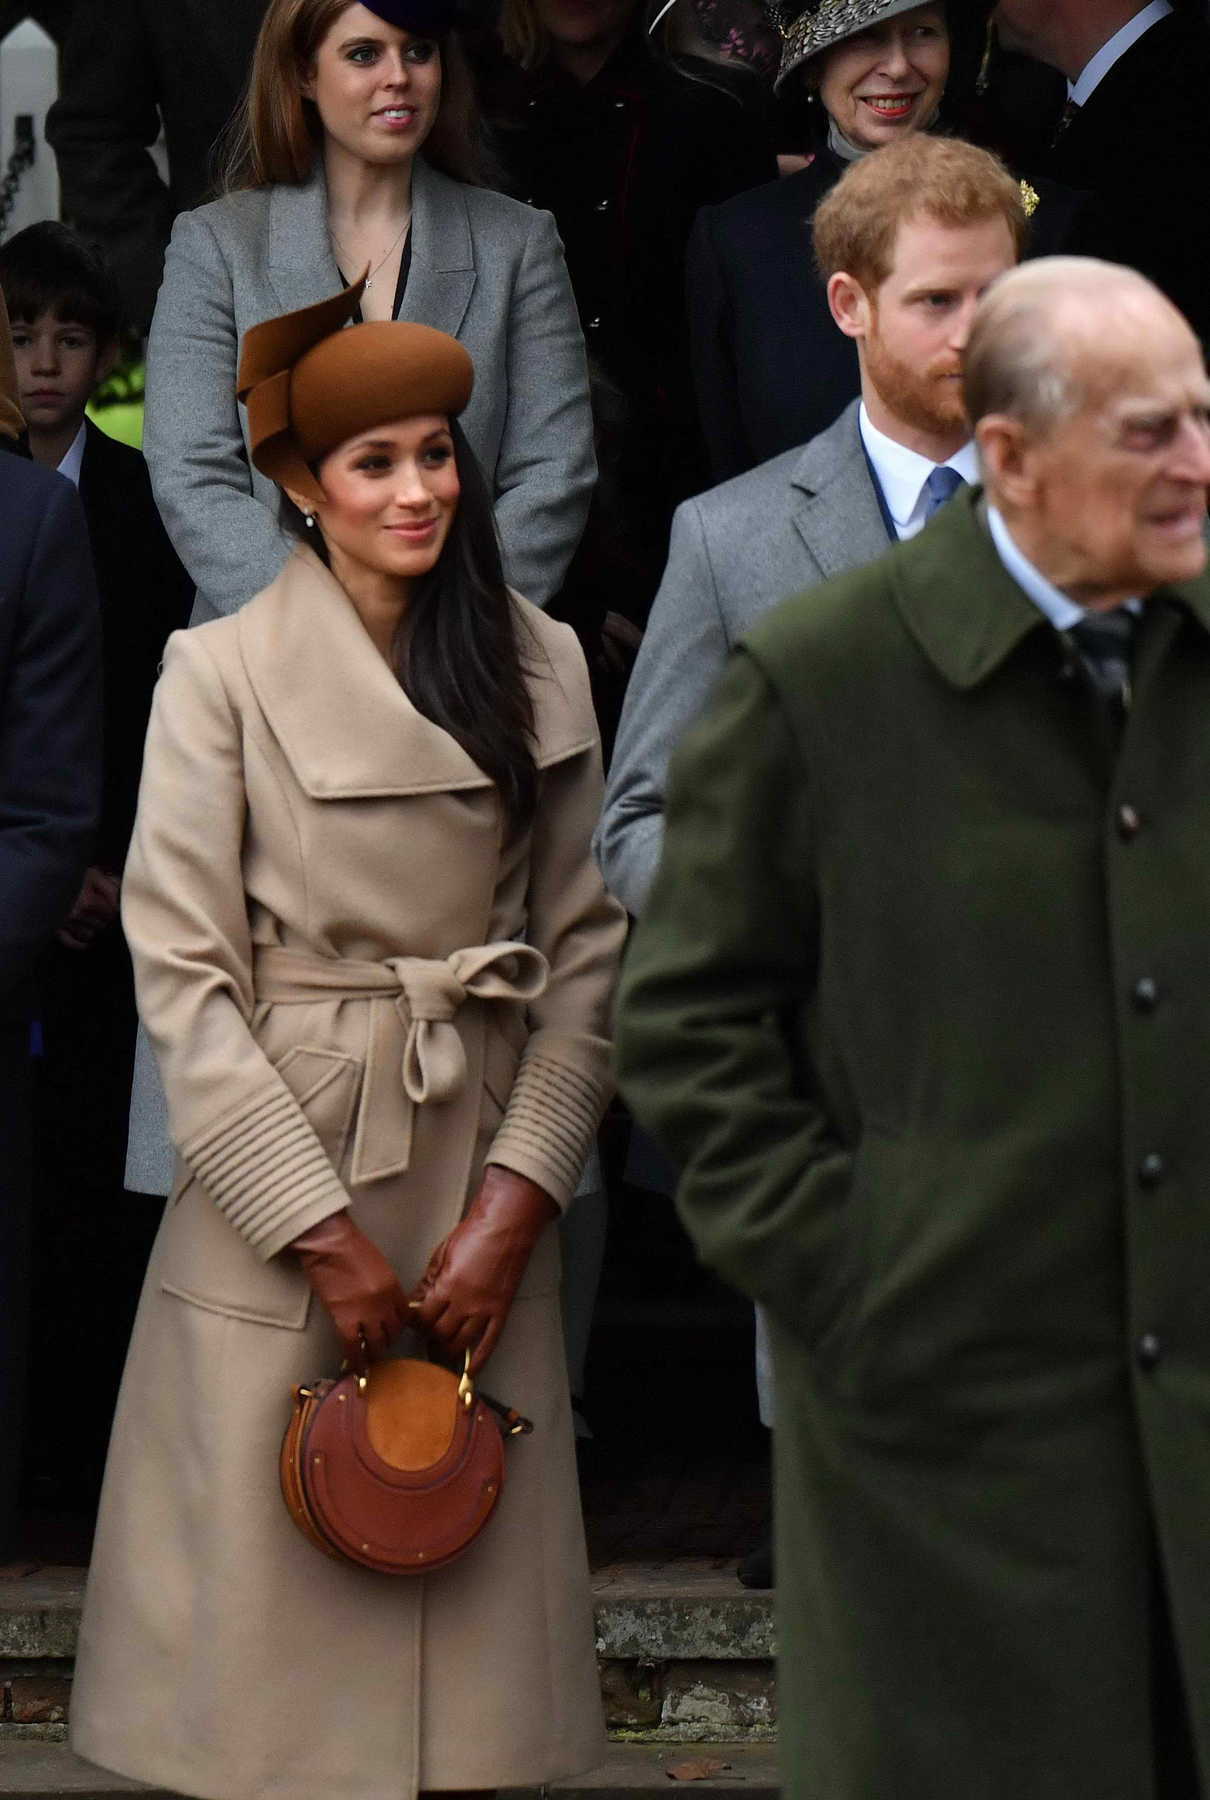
point(356, 150)
point(770, 369)
point(375, 957)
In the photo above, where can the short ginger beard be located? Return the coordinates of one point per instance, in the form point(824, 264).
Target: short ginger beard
point(920, 398)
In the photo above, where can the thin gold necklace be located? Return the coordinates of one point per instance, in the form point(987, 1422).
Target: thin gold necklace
point(370, 277)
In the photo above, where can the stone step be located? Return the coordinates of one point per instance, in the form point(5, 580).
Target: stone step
point(43, 1771)
point(685, 1653)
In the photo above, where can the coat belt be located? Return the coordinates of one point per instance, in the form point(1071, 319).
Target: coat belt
point(414, 1053)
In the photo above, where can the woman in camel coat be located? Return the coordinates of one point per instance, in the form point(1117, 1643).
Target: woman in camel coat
point(326, 900)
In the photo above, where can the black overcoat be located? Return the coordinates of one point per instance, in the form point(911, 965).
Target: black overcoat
point(90, 1240)
point(1140, 147)
point(50, 757)
point(919, 1004)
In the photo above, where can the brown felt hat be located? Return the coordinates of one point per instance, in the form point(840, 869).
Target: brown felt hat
point(11, 422)
point(309, 384)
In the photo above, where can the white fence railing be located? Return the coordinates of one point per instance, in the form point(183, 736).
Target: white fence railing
point(29, 83)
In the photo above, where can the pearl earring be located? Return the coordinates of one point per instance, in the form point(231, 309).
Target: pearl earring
point(309, 521)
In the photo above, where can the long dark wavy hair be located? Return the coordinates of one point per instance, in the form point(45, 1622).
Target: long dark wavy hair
point(460, 653)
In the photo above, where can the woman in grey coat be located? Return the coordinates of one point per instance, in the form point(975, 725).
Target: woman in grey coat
point(326, 178)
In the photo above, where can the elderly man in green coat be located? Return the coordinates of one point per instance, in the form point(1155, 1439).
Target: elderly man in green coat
point(921, 1006)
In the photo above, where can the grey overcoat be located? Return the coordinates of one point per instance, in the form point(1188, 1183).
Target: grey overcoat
point(485, 268)
point(325, 929)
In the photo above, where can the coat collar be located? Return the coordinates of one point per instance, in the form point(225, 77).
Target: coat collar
point(963, 607)
point(835, 508)
point(302, 268)
point(343, 722)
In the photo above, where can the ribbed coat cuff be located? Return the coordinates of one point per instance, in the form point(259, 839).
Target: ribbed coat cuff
point(551, 1120)
point(266, 1171)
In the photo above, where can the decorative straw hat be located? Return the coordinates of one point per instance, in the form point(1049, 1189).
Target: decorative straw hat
point(11, 422)
point(807, 28)
point(310, 385)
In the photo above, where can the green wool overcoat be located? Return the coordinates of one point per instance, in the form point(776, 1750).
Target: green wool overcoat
point(921, 1006)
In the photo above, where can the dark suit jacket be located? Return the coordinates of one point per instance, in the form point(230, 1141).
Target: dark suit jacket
point(126, 64)
point(770, 368)
point(50, 740)
point(1141, 147)
point(50, 757)
point(145, 595)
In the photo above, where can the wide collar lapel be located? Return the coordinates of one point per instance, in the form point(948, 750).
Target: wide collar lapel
point(956, 597)
point(442, 276)
point(302, 267)
point(835, 508)
point(964, 608)
point(344, 724)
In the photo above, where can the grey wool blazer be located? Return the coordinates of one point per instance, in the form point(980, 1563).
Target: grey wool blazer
point(485, 268)
point(736, 553)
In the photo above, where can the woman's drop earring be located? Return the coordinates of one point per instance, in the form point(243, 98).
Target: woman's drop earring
point(309, 521)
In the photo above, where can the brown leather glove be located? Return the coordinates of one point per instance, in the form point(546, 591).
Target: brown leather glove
point(355, 1282)
point(465, 1293)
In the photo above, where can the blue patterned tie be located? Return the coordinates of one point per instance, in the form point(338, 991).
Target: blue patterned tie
point(1105, 641)
point(941, 486)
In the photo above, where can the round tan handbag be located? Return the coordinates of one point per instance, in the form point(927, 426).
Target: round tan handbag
point(397, 1468)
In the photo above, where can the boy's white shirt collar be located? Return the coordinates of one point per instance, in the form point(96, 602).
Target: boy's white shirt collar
point(73, 458)
point(1093, 73)
point(902, 473)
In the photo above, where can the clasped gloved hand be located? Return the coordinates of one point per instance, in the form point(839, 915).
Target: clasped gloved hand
point(355, 1282)
point(463, 1297)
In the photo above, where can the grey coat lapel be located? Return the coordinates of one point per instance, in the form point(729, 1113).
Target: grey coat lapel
point(302, 268)
point(836, 510)
point(442, 277)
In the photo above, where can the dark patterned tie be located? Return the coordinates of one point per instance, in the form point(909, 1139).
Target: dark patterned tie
point(1105, 641)
point(941, 486)
point(1065, 118)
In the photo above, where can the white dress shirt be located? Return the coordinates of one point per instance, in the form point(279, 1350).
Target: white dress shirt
point(902, 474)
point(1094, 72)
point(74, 457)
point(1057, 606)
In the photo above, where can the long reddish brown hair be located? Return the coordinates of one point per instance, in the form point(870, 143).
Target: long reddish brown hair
point(276, 134)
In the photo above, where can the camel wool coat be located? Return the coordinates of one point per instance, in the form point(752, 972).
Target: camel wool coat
point(326, 931)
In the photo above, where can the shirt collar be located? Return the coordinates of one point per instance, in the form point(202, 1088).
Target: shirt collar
point(902, 473)
point(74, 457)
point(1094, 72)
point(1062, 611)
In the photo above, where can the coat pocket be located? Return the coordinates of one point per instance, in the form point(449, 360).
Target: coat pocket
point(326, 1084)
point(202, 1257)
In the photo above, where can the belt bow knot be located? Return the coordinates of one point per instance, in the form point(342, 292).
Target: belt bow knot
point(431, 992)
point(415, 1055)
